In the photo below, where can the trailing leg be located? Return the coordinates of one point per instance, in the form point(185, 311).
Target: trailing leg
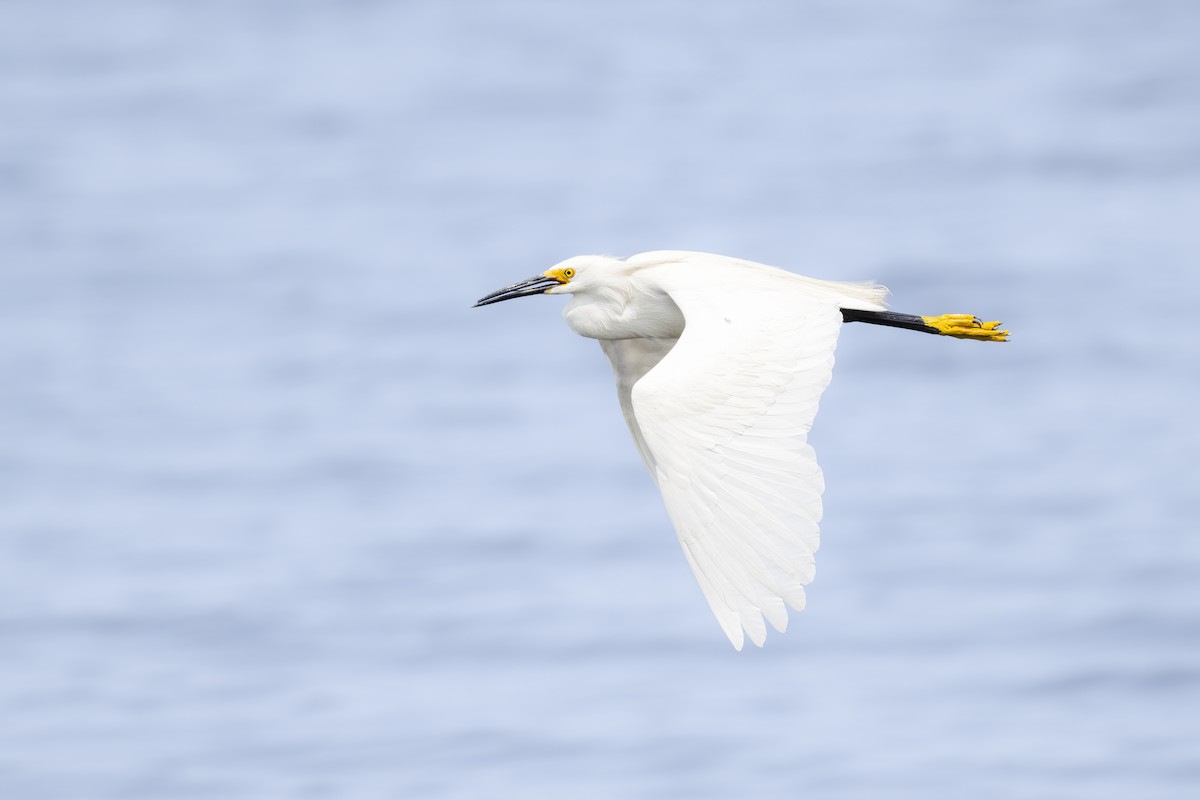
point(961, 326)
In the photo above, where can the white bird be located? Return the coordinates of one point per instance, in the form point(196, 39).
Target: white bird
point(720, 364)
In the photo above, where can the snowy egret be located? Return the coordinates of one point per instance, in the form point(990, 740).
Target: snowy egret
point(720, 364)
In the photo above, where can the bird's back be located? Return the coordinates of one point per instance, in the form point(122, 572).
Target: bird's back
point(721, 274)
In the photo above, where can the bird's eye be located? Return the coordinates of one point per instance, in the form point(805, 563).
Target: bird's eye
point(568, 273)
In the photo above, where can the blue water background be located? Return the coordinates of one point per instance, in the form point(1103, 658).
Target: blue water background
point(282, 517)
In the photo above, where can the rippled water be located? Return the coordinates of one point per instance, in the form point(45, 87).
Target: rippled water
point(281, 516)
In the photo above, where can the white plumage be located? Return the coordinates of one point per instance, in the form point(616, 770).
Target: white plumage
point(721, 408)
point(720, 365)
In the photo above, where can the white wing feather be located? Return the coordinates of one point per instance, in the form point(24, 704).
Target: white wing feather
point(722, 422)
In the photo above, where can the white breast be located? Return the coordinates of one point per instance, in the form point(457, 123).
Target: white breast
point(624, 315)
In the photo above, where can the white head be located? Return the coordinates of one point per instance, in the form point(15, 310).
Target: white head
point(607, 299)
point(579, 274)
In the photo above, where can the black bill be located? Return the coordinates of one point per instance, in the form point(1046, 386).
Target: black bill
point(536, 285)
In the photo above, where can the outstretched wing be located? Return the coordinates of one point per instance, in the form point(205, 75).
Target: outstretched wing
point(724, 417)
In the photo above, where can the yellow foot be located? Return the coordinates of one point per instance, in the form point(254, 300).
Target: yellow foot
point(965, 326)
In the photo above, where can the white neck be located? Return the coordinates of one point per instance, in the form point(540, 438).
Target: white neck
point(606, 313)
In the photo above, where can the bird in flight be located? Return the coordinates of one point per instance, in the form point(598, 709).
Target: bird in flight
point(720, 364)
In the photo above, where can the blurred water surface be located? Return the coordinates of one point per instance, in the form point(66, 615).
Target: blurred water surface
point(281, 516)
